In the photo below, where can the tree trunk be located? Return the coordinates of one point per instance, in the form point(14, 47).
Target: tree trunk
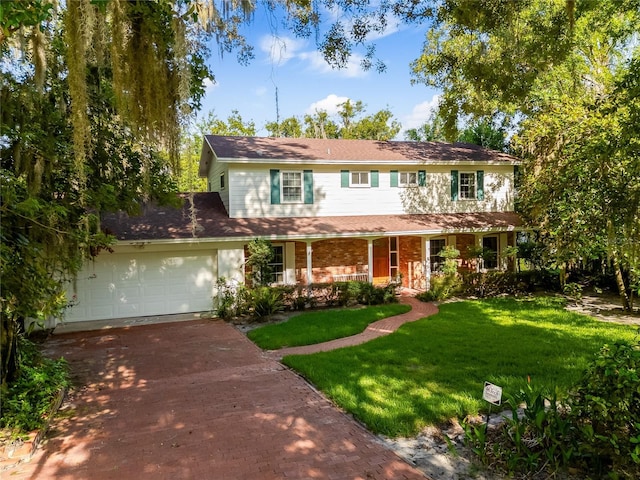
point(622, 289)
point(613, 256)
point(8, 349)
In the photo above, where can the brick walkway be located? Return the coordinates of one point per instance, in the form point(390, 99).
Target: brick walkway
point(377, 329)
point(197, 400)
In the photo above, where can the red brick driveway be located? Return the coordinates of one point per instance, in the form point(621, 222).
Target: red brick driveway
point(197, 400)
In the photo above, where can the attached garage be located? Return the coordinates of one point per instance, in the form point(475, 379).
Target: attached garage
point(142, 282)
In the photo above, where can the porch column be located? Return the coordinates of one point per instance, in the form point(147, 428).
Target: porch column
point(309, 264)
point(370, 259)
point(502, 244)
point(427, 263)
point(479, 261)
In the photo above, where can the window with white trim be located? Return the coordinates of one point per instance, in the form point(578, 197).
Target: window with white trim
point(359, 179)
point(408, 179)
point(490, 252)
point(222, 182)
point(435, 248)
point(467, 185)
point(277, 264)
point(291, 187)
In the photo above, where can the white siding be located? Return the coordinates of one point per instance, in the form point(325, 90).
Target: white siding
point(215, 171)
point(250, 189)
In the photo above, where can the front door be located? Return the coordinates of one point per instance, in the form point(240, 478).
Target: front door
point(381, 260)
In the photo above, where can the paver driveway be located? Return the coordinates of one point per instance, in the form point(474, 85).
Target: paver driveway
point(197, 400)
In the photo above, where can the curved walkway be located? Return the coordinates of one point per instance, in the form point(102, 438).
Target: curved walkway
point(377, 329)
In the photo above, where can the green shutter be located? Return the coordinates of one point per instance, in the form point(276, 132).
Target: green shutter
point(454, 185)
point(394, 178)
point(275, 187)
point(307, 182)
point(344, 178)
point(422, 178)
point(480, 186)
point(375, 181)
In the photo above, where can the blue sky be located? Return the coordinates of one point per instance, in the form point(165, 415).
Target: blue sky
point(306, 83)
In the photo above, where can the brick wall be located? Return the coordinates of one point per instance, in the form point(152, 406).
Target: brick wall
point(331, 257)
point(463, 242)
point(411, 267)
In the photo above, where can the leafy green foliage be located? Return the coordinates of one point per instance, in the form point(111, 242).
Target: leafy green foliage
point(27, 401)
point(606, 405)
point(595, 428)
point(442, 287)
point(265, 302)
point(494, 283)
point(231, 300)
point(353, 124)
point(261, 255)
point(188, 177)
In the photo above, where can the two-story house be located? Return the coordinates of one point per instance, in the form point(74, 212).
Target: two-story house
point(333, 210)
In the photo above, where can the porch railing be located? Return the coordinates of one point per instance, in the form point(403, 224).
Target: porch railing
point(351, 277)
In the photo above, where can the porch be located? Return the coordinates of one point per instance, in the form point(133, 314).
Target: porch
point(413, 258)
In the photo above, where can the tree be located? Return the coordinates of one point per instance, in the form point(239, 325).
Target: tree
point(352, 124)
point(288, 128)
point(97, 85)
point(378, 126)
point(486, 134)
point(582, 181)
point(319, 125)
point(430, 131)
point(188, 178)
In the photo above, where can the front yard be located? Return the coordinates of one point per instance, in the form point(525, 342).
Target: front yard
point(432, 370)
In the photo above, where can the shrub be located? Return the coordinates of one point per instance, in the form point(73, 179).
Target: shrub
point(266, 301)
point(442, 287)
point(606, 406)
point(27, 400)
point(493, 283)
point(232, 299)
point(596, 430)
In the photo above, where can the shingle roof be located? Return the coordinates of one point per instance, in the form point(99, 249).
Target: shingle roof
point(315, 149)
point(212, 222)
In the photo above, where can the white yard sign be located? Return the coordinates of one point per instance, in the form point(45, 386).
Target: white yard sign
point(492, 393)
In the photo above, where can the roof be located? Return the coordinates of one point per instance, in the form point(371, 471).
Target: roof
point(213, 223)
point(326, 151)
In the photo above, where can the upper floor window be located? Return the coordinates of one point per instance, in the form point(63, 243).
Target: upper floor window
point(408, 179)
point(467, 185)
point(291, 186)
point(359, 179)
point(222, 183)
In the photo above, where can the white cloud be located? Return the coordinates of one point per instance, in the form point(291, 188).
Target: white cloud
point(420, 113)
point(328, 104)
point(281, 50)
point(209, 85)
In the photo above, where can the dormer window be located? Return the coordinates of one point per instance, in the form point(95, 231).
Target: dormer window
point(222, 183)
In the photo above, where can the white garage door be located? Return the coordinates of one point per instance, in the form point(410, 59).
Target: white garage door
point(118, 285)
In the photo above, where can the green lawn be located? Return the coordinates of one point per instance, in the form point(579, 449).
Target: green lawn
point(434, 369)
point(322, 325)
